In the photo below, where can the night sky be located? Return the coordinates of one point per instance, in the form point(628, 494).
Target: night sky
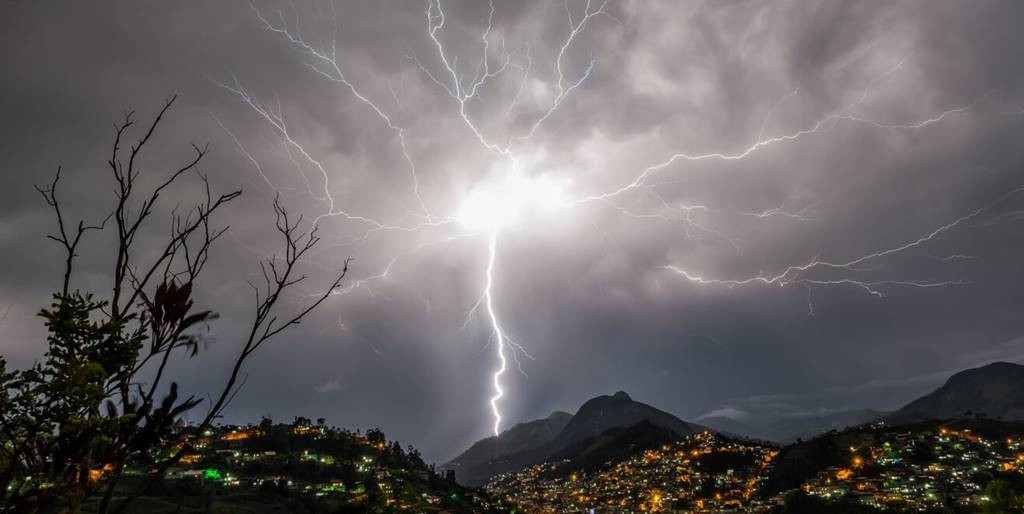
point(840, 226)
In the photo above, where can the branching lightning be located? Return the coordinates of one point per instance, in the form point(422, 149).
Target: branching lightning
point(506, 200)
point(794, 274)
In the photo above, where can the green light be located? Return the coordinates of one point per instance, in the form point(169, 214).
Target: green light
point(211, 474)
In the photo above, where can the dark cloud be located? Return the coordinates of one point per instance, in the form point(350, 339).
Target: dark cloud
point(583, 289)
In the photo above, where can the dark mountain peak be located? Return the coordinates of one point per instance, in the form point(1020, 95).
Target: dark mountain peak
point(619, 410)
point(991, 381)
point(619, 398)
point(994, 390)
point(559, 415)
point(536, 441)
point(993, 371)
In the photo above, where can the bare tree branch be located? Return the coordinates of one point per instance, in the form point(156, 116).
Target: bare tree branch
point(70, 243)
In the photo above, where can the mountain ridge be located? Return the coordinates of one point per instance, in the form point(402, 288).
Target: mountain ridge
point(605, 423)
point(534, 441)
point(994, 390)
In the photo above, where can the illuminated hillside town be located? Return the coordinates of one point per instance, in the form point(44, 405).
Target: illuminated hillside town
point(310, 467)
point(935, 468)
point(931, 469)
point(701, 472)
point(925, 467)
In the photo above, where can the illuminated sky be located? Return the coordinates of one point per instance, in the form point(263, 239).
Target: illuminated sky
point(724, 207)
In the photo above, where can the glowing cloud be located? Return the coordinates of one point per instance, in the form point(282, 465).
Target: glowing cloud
point(508, 201)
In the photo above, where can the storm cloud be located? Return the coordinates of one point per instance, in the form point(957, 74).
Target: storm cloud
point(922, 106)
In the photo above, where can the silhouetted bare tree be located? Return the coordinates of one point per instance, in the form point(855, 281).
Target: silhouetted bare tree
point(100, 400)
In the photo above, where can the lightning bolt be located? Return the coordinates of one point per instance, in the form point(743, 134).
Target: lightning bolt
point(463, 87)
point(499, 334)
point(462, 94)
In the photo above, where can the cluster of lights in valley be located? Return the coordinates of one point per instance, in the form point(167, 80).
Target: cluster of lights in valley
point(520, 194)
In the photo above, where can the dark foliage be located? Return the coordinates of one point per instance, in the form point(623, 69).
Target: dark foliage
point(100, 400)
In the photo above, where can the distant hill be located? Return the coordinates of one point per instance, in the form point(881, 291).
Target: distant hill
point(734, 427)
point(534, 442)
point(995, 391)
point(789, 429)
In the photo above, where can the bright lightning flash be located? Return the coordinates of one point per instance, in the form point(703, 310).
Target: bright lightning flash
point(510, 198)
point(490, 207)
point(508, 201)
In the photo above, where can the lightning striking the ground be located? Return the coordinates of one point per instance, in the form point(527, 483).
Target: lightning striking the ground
point(519, 194)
